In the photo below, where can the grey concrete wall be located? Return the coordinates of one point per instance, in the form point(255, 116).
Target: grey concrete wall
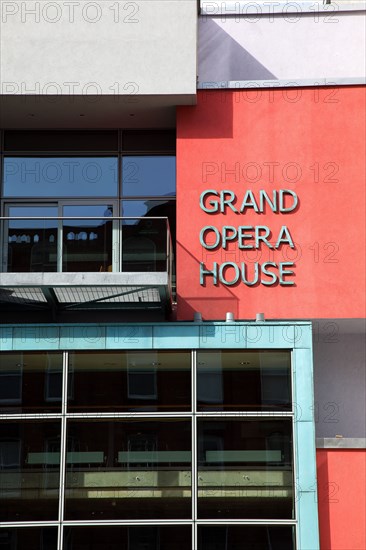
point(340, 378)
point(94, 48)
point(296, 46)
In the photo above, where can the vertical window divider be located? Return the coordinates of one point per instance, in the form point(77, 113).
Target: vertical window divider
point(60, 230)
point(62, 450)
point(4, 248)
point(119, 225)
point(294, 442)
point(116, 240)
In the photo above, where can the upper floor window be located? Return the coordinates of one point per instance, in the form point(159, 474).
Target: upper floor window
point(63, 194)
point(85, 164)
point(59, 177)
point(148, 176)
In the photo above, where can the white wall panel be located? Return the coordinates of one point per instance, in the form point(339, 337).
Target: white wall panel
point(94, 48)
point(294, 46)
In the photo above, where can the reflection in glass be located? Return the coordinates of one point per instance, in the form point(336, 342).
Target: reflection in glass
point(141, 537)
point(132, 228)
point(32, 244)
point(35, 538)
point(130, 381)
point(244, 380)
point(149, 176)
point(151, 208)
point(30, 382)
point(239, 537)
point(58, 177)
point(144, 245)
point(245, 469)
point(29, 470)
point(128, 470)
point(87, 244)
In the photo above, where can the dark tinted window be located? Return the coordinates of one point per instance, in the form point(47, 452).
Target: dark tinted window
point(148, 141)
point(61, 141)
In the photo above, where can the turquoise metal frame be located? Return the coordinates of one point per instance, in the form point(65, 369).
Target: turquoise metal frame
point(294, 336)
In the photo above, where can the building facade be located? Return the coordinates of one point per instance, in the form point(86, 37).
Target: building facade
point(182, 336)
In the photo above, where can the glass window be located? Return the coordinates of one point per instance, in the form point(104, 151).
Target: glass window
point(134, 439)
point(137, 469)
point(141, 537)
point(245, 469)
point(60, 140)
point(240, 537)
point(29, 470)
point(150, 176)
point(35, 538)
point(244, 380)
point(58, 177)
point(131, 381)
point(87, 244)
point(144, 241)
point(30, 382)
point(149, 141)
point(150, 208)
point(32, 244)
point(10, 384)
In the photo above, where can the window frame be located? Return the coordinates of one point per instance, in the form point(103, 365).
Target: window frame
point(294, 337)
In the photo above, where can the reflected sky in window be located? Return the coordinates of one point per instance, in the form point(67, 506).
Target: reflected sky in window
point(60, 177)
point(148, 176)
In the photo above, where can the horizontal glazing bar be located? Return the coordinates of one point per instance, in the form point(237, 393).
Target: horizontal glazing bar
point(7, 218)
point(150, 522)
point(115, 415)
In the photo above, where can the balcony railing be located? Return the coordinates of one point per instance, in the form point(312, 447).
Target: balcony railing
point(65, 262)
point(86, 244)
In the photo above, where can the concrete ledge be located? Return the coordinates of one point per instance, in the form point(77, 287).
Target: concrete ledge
point(80, 279)
point(260, 7)
point(341, 443)
point(280, 83)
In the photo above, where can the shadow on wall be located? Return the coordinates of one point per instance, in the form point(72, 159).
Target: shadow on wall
point(323, 500)
point(188, 307)
point(213, 303)
point(221, 58)
point(213, 122)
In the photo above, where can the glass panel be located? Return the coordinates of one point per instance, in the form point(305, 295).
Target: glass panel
point(245, 469)
point(29, 470)
point(87, 244)
point(32, 244)
point(240, 537)
point(30, 382)
point(130, 381)
point(144, 245)
point(60, 177)
point(151, 208)
point(128, 470)
point(148, 176)
point(60, 140)
point(244, 380)
point(35, 538)
point(148, 141)
point(141, 537)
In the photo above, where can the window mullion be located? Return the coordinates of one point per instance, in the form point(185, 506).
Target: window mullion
point(63, 449)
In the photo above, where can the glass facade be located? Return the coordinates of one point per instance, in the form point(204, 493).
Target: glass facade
point(78, 190)
point(39, 177)
point(148, 449)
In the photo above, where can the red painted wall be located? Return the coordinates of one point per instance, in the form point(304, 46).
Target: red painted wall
point(309, 140)
point(342, 499)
